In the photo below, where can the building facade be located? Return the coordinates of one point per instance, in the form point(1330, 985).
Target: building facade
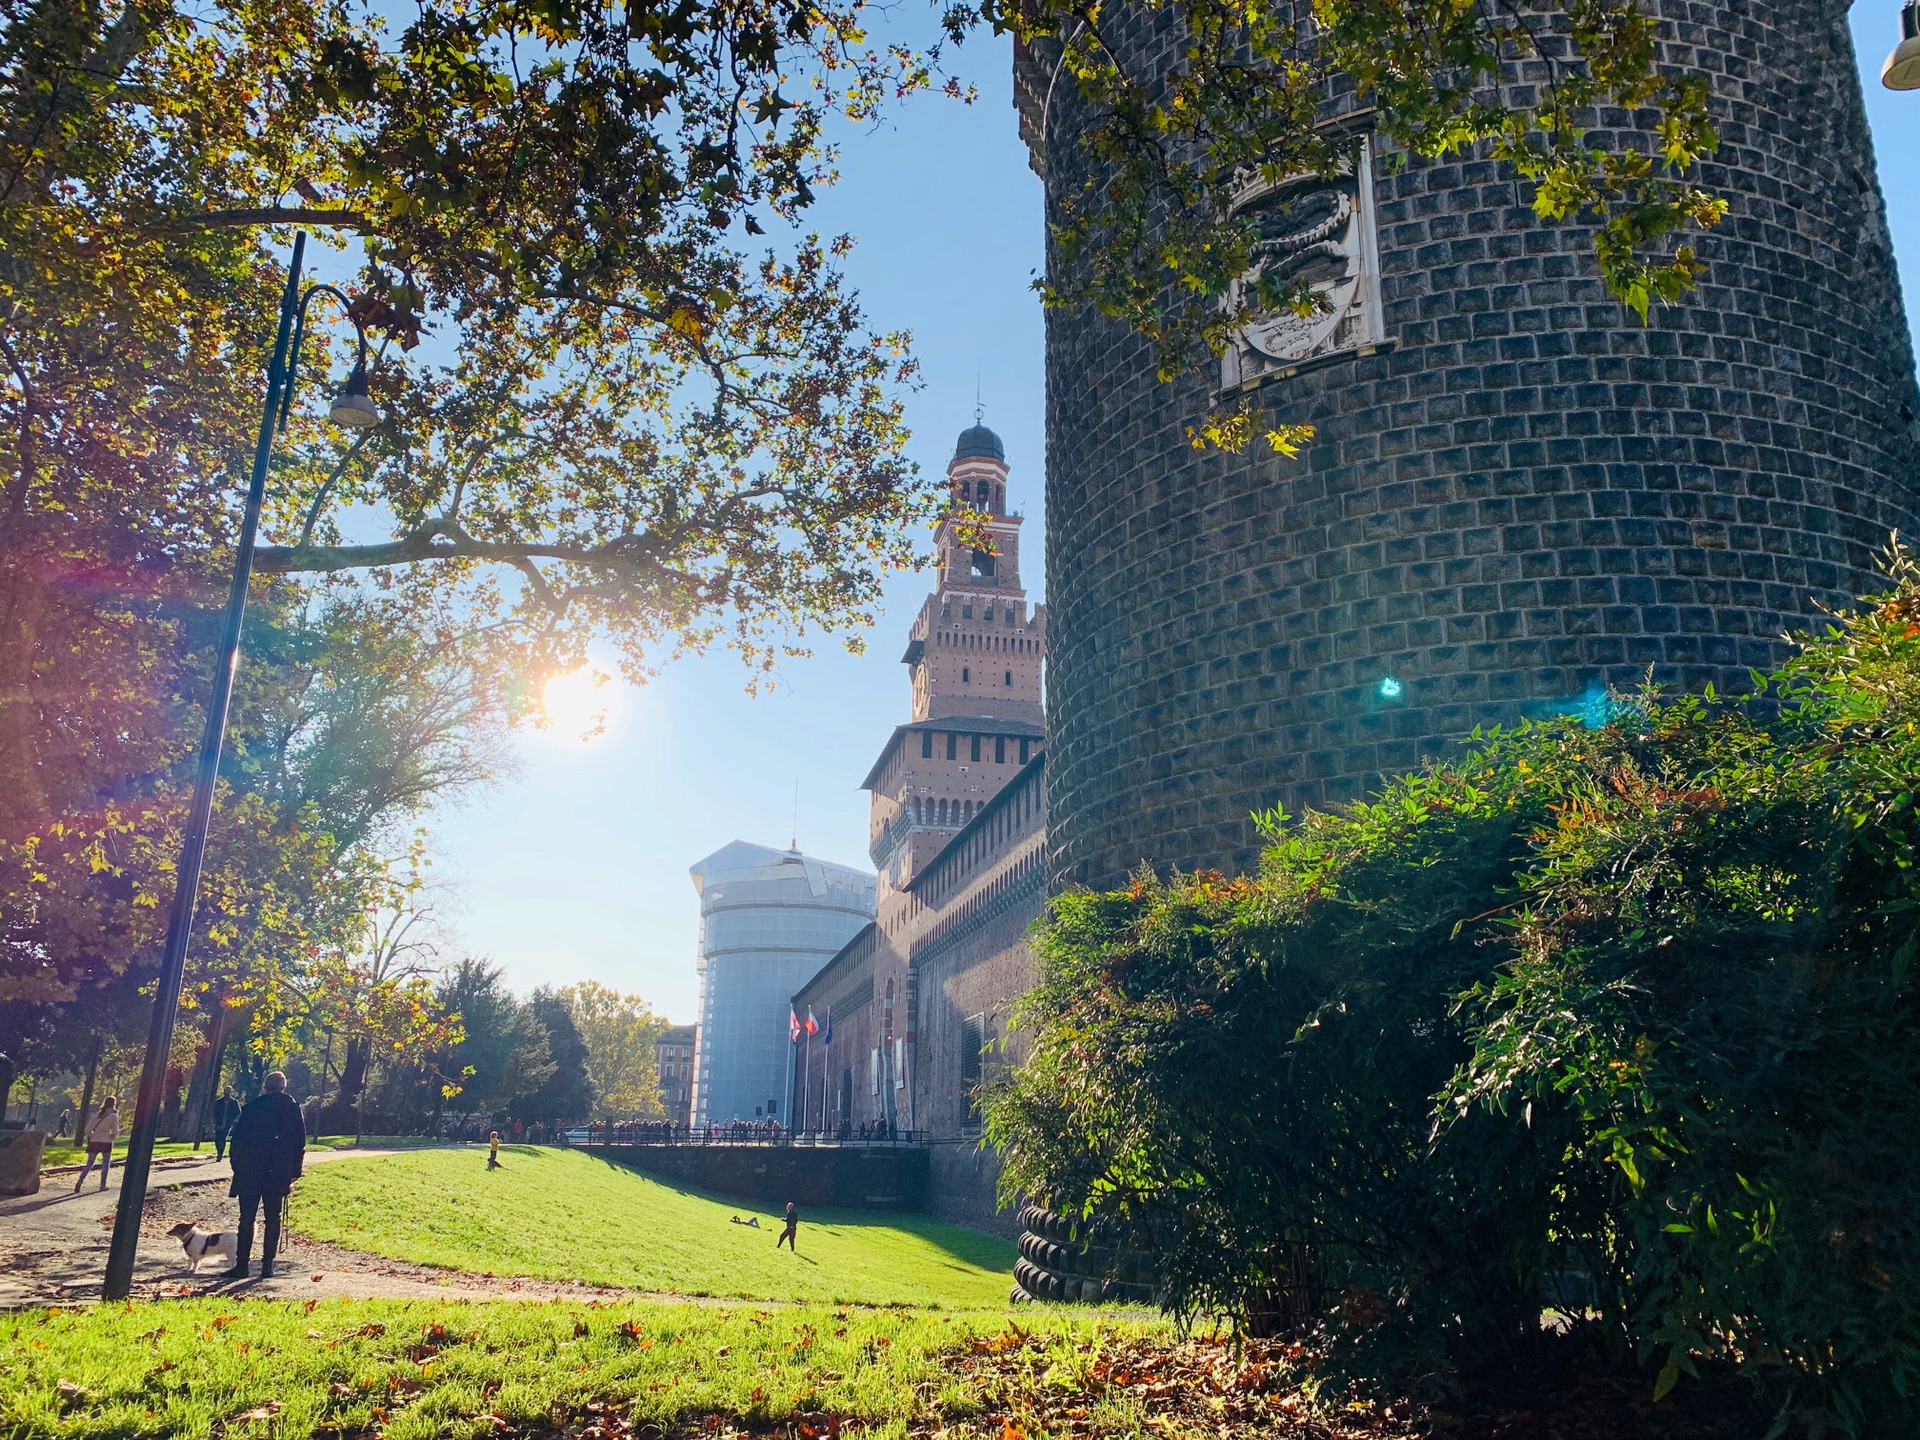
point(768, 920)
point(912, 1010)
point(1519, 494)
point(673, 1055)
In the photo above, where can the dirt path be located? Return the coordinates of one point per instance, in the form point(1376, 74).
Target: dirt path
point(53, 1247)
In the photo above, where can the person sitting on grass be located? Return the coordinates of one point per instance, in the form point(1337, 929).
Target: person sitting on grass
point(493, 1151)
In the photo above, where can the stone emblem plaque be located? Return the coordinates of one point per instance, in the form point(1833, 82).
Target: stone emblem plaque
point(1319, 230)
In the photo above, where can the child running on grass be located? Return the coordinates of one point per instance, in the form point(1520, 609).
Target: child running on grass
point(493, 1151)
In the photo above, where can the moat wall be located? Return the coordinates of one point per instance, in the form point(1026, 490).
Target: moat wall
point(824, 1177)
point(1522, 497)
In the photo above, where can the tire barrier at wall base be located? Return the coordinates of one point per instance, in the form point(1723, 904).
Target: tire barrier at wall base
point(1056, 1265)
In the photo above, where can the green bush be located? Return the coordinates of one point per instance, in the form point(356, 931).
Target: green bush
point(1614, 1023)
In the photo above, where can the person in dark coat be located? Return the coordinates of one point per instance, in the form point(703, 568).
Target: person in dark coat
point(226, 1110)
point(268, 1144)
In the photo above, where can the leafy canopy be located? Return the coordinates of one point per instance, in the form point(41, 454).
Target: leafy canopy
point(622, 419)
point(1189, 102)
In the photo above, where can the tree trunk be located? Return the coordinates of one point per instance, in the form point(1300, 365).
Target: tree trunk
point(353, 1073)
point(206, 1078)
point(86, 1091)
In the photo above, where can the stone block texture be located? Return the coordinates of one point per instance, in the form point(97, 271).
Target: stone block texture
point(1528, 495)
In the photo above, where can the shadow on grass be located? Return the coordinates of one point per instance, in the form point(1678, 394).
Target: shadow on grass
point(975, 1248)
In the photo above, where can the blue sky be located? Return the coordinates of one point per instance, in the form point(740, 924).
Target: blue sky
point(578, 868)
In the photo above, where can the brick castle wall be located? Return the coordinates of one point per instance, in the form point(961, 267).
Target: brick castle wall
point(1529, 495)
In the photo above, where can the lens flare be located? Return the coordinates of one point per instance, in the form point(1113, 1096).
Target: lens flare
point(575, 704)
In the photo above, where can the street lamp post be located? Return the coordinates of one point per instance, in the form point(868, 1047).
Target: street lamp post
point(352, 409)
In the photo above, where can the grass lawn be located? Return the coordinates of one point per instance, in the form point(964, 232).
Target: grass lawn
point(374, 1142)
point(564, 1214)
point(411, 1370)
point(66, 1153)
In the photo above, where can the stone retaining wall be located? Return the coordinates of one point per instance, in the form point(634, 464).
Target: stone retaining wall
point(825, 1177)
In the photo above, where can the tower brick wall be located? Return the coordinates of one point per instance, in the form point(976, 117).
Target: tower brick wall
point(1519, 495)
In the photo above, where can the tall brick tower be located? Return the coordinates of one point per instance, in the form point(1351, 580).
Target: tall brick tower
point(975, 658)
point(1519, 495)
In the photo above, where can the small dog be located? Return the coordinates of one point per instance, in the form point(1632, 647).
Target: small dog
point(199, 1244)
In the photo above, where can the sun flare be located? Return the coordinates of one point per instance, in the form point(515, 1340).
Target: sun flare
point(576, 703)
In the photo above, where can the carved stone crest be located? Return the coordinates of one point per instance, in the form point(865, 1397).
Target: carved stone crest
point(1321, 231)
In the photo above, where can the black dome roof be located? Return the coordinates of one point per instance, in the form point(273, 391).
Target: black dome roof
point(977, 442)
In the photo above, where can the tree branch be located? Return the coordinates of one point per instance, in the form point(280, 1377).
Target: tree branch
point(440, 540)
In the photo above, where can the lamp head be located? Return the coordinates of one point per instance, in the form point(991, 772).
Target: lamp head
point(353, 408)
point(1902, 70)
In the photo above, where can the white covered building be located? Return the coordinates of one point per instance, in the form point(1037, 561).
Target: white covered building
point(769, 919)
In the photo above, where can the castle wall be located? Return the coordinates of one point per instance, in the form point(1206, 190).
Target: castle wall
point(971, 961)
point(1520, 497)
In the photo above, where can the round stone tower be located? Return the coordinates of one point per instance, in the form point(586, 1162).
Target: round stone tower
point(1519, 495)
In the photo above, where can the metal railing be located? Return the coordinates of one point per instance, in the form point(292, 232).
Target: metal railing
point(745, 1134)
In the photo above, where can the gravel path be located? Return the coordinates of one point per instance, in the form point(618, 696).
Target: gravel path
point(53, 1248)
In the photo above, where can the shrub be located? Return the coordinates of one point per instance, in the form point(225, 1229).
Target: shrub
point(1615, 1022)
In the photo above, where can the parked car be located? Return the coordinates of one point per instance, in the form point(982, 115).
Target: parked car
point(579, 1135)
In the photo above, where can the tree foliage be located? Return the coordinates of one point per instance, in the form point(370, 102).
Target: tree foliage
point(607, 413)
point(1618, 1020)
point(620, 1032)
point(1177, 131)
point(623, 419)
point(503, 1049)
point(568, 1092)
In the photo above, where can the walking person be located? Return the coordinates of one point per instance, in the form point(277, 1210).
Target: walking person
point(792, 1230)
point(493, 1151)
point(226, 1110)
point(102, 1131)
point(269, 1143)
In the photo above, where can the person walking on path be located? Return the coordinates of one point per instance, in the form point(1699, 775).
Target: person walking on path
point(269, 1145)
point(101, 1133)
point(493, 1151)
point(226, 1110)
point(792, 1230)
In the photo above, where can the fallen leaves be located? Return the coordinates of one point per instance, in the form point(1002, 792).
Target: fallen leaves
point(1021, 1385)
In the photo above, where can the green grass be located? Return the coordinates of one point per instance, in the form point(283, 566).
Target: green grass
point(375, 1142)
point(66, 1153)
point(564, 1215)
point(423, 1370)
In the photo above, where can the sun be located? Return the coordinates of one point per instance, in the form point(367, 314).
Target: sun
point(575, 703)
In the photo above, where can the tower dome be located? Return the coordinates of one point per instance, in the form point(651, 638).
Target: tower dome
point(978, 442)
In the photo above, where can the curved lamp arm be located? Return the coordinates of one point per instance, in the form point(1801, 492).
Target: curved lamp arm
point(357, 383)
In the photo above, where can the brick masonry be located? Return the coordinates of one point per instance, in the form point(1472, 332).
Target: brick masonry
point(1527, 496)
